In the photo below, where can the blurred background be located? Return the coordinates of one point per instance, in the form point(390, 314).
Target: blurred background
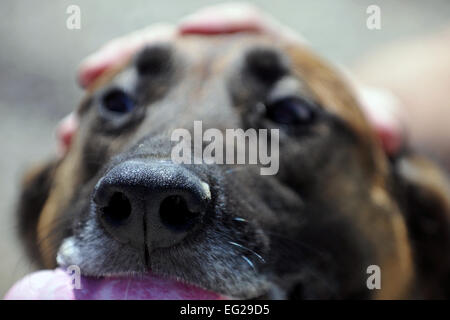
point(39, 58)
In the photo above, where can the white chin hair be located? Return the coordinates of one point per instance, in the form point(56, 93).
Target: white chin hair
point(68, 253)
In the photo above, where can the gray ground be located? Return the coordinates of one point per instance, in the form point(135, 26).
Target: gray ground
point(39, 56)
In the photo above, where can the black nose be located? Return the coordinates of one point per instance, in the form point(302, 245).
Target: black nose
point(152, 203)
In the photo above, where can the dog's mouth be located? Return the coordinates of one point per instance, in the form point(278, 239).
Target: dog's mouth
point(156, 250)
point(63, 284)
point(67, 282)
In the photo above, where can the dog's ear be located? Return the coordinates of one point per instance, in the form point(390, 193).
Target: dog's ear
point(423, 192)
point(36, 185)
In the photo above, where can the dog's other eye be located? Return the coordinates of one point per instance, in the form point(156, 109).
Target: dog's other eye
point(118, 101)
point(291, 111)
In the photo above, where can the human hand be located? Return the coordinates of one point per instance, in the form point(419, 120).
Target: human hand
point(380, 107)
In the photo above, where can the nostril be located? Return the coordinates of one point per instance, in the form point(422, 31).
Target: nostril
point(150, 205)
point(118, 209)
point(175, 214)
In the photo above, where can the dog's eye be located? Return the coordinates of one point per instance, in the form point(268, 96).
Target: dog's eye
point(291, 111)
point(118, 101)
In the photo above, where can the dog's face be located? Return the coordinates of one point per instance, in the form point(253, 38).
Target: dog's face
point(116, 204)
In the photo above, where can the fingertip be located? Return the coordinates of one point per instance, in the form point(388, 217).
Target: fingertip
point(223, 19)
point(88, 73)
point(390, 139)
point(215, 29)
point(385, 113)
point(65, 132)
point(95, 64)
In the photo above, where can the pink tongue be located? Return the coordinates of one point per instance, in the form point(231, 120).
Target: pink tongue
point(56, 285)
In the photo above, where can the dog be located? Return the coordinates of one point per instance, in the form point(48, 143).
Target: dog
point(116, 204)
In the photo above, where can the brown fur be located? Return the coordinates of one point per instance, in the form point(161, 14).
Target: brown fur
point(381, 214)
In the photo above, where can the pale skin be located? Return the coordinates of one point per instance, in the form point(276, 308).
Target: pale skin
point(417, 72)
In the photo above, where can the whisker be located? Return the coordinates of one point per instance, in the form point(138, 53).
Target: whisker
point(249, 262)
point(248, 249)
point(239, 219)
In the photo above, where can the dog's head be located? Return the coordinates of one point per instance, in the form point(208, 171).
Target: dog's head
point(117, 204)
